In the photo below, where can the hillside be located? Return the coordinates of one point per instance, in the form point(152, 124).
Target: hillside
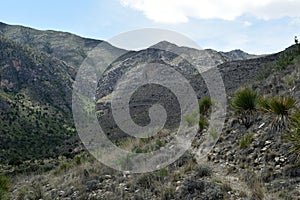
point(35, 103)
point(42, 157)
point(262, 168)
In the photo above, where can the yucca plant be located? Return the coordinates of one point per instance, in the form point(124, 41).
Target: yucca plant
point(281, 107)
point(293, 134)
point(245, 103)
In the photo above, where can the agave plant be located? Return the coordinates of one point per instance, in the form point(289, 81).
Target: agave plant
point(281, 107)
point(245, 102)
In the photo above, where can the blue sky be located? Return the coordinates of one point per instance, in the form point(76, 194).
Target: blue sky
point(256, 26)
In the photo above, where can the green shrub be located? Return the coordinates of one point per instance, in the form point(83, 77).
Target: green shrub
point(205, 106)
point(162, 173)
point(293, 135)
point(138, 150)
point(281, 107)
point(246, 140)
point(245, 103)
point(264, 104)
point(191, 119)
point(203, 123)
point(284, 61)
point(245, 100)
point(4, 187)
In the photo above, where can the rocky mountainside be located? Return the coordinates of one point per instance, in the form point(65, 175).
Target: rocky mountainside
point(248, 162)
point(43, 159)
point(64, 46)
point(238, 55)
point(35, 102)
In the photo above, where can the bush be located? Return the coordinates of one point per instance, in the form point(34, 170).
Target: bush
point(191, 119)
point(281, 107)
point(245, 102)
point(202, 171)
point(293, 135)
point(205, 106)
point(4, 187)
point(202, 123)
point(284, 61)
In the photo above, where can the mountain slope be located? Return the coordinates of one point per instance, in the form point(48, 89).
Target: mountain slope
point(238, 55)
point(62, 45)
point(35, 103)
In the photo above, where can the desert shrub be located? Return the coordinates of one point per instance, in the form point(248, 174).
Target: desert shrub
point(191, 119)
point(293, 134)
point(145, 181)
point(281, 107)
point(203, 123)
point(255, 184)
point(284, 61)
point(200, 189)
point(245, 103)
point(205, 106)
point(245, 99)
point(202, 171)
point(246, 140)
point(4, 187)
point(162, 172)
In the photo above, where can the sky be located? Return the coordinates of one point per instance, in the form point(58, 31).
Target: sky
point(255, 26)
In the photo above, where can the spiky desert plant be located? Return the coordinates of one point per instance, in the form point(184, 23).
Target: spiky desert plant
point(264, 104)
point(293, 134)
point(245, 102)
point(282, 108)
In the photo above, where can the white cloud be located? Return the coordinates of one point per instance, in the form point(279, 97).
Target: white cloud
point(295, 22)
point(179, 11)
point(247, 24)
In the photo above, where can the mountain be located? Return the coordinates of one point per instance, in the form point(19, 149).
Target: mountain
point(64, 46)
point(35, 102)
point(38, 69)
point(238, 55)
point(42, 155)
point(246, 163)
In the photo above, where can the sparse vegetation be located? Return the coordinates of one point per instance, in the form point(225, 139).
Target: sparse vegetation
point(255, 184)
point(293, 134)
point(203, 123)
point(4, 187)
point(246, 140)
